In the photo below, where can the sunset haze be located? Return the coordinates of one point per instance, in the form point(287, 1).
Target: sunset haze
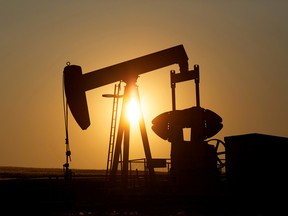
point(241, 48)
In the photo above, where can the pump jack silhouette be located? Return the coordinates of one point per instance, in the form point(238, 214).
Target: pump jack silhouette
point(203, 123)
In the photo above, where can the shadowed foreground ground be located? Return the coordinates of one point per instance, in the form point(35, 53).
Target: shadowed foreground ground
point(33, 191)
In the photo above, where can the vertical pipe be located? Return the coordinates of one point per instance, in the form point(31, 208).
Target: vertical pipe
point(197, 81)
point(126, 155)
point(173, 86)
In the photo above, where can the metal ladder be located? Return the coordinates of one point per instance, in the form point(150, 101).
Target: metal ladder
point(116, 97)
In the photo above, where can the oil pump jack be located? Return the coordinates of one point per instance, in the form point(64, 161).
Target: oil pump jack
point(194, 155)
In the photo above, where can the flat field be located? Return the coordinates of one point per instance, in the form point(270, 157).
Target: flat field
point(42, 191)
point(32, 172)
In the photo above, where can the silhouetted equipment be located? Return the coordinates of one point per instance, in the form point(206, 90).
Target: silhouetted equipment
point(256, 168)
point(67, 172)
point(195, 163)
point(162, 124)
point(75, 95)
point(113, 126)
point(255, 164)
point(76, 84)
point(219, 147)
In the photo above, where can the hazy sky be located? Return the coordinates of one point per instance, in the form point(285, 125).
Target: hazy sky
point(240, 46)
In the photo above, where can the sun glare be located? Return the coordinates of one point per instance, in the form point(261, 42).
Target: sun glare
point(133, 111)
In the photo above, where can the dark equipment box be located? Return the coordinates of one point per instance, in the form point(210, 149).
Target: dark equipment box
point(256, 168)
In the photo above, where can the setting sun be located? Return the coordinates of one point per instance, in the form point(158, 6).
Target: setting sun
point(133, 111)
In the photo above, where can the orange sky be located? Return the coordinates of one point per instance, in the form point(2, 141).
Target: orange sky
point(241, 48)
